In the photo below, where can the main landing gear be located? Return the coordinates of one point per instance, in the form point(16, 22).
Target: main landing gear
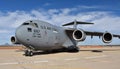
point(29, 53)
point(73, 49)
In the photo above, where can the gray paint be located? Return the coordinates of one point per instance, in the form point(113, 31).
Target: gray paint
point(41, 38)
point(48, 39)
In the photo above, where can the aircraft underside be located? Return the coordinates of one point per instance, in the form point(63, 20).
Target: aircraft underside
point(30, 52)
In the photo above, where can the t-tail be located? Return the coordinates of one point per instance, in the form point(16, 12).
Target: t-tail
point(75, 23)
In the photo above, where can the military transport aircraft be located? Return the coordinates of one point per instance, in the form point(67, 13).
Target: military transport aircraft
point(39, 35)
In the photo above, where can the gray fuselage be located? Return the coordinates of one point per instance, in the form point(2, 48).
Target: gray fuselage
point(39, 35)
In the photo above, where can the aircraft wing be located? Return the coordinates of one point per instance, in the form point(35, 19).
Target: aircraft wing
point(89, 33)
point(99, 34)
point(75, 23)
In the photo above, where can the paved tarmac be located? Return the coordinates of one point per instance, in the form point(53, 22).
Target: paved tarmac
point(109, 58)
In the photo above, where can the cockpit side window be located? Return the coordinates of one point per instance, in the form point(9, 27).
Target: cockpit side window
point(36, 25)
point(31, 24)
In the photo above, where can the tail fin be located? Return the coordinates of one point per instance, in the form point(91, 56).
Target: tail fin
point(75, 23)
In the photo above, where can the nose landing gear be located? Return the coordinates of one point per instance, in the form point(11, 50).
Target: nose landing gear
point(29, 53)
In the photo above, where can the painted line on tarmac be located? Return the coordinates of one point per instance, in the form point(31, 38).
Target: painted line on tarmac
point(93, 57)
point(45, 61)
point(29, 62)
point(68, 59)
point(13, 63)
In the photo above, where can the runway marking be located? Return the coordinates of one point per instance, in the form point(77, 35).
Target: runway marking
point(46, 61)
point(13, 63)
point(29, 62)
point(68, 59)
point(41, 61)
point(92, 57)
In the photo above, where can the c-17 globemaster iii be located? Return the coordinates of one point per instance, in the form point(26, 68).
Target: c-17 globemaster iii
point(38, 35)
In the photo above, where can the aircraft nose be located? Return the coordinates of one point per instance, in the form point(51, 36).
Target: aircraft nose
point(22, 34)
point(19, 33)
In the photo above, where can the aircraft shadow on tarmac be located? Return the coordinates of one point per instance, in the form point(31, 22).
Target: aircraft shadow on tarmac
point(47, 53)
point(101, 50)
point(54, 52)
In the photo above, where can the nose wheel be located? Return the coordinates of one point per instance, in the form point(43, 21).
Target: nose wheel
point(29, 53)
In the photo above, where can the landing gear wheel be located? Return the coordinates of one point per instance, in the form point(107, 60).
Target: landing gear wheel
point(76, 49)
point(28, 53)
point(73, 49)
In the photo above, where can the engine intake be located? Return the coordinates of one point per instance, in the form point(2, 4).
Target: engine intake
point(14, 40)
point(79, 35)
point(107, 37)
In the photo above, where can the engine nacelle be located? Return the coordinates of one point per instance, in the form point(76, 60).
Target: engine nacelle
point(14, 40)
point(107, 37)
point(79, 35)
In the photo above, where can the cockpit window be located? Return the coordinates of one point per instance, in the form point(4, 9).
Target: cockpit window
point(31, 24)
point(36, 25)
point(25, 23)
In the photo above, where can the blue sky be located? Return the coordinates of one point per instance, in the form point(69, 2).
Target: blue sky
point(104, 13)
point(27, 5)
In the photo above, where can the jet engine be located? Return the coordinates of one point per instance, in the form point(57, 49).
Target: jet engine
point(79, 35)
point(107, 37)
point(14, 40)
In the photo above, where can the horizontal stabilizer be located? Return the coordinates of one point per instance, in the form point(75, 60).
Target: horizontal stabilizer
point(77, 22)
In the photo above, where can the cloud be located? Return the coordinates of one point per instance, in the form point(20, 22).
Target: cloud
point(4, 31)
point(9, 21)
point(109, 23)
point(89, 7)
point(47, 4)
